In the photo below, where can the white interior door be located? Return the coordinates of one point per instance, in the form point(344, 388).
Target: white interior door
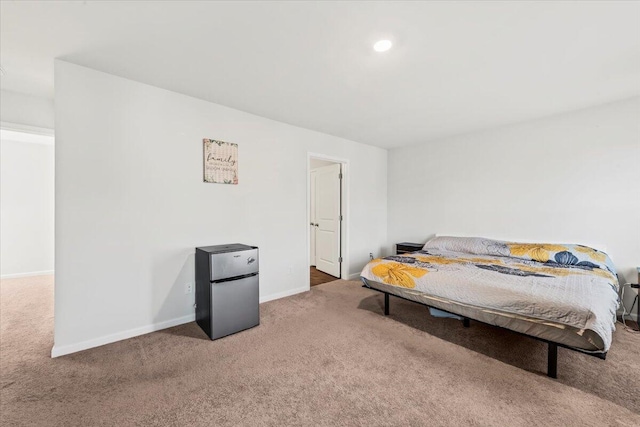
point(327, 221)
point(312, 228)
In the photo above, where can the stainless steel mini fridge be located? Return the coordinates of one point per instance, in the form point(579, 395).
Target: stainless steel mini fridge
point(227, 289)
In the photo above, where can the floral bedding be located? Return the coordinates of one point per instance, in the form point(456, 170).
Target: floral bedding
point(565, 284)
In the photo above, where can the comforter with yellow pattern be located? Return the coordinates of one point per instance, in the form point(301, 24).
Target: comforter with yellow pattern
point(568, 284)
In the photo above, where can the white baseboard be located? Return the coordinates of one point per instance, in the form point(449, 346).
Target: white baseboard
point(355, 276)
point(57, 350)
point(283, 294)
point(32, 273)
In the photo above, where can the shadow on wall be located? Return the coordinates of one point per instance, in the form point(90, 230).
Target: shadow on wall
point(170, 300)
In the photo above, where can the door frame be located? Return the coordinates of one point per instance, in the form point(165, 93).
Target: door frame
point(344, 208)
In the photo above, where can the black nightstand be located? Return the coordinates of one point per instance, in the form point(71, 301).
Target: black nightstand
point(407, 247)
point(636, 300)
point(638, 297)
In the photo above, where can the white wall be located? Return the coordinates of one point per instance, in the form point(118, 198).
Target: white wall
point(19, 108)
point(131, 205)
point(569, 178)
point(26, 208)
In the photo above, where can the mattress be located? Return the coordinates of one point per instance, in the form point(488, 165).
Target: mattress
point(563, 293)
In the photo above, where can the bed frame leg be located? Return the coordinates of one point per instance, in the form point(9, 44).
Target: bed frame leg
point(552, 361)
point(466, 322)
point(386, 304)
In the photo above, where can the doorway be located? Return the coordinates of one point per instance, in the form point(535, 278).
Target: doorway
point(326, 219)
point(27, 164)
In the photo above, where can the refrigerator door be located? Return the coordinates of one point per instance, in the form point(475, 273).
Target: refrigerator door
point(232, 264)
point(234, 306)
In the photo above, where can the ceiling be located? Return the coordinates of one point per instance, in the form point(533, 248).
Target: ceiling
point(455, 67)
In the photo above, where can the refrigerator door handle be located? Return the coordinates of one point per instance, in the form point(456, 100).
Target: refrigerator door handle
point(230, 279)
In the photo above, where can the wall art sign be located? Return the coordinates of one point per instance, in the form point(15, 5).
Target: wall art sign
point(220, 161)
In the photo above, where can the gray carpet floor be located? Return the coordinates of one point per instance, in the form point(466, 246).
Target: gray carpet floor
point(325, 357)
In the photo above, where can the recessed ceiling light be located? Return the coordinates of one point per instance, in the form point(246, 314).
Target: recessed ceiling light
point(382, 45)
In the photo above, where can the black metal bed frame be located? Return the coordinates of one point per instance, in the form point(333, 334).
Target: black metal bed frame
point(552, 355)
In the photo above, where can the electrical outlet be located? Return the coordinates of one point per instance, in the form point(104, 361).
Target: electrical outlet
point(371, 256)
point(188, 288)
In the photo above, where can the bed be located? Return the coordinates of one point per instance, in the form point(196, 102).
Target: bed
point(563, 294)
